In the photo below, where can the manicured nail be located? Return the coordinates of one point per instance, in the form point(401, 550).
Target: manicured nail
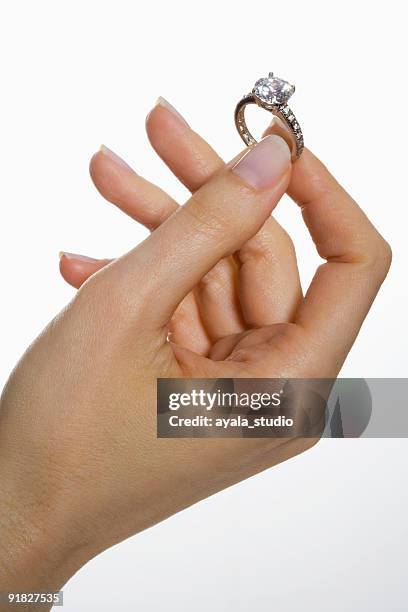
point(275, 121)
point(77, 257)
point(163, 102)
point(279, 128)
point(115, 158)
point(264, 164)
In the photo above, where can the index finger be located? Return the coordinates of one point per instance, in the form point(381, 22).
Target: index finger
point(357, 257)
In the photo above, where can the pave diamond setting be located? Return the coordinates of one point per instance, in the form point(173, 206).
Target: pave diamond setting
point(287, 114)
point(272, 90)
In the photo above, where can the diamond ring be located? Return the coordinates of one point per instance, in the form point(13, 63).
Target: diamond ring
point(272, 94)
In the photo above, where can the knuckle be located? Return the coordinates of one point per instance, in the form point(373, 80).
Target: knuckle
point(386, 255)
point(242, 355)
point(207, 220)
point(290, 335)
point(181, 318)
point(379, 257)
point(297, 351)
point(105, 298)
point(217, 280)
point(370, 254)
point(269, 244)
point(97, 295)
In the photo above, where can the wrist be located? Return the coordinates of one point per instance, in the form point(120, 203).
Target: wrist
point(28, 559)
point(35, 554)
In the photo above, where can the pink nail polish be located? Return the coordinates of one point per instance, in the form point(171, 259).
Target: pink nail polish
point(165, 104)
point(77, 257)
point(265, 164)
point(115, 158)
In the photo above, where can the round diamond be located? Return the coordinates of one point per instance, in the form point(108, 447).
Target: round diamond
point(272, 90)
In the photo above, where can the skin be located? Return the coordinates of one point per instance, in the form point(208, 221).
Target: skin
point(81, 467)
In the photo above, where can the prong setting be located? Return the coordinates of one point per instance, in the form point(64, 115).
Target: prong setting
point(272, 94)
point(272, 91)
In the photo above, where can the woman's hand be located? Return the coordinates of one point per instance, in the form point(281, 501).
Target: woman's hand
point(80, 464)
point(223, 302)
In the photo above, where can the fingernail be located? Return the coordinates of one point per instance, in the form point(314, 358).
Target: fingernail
point(264, 164)
point(276, 122)
point(115, 158)
point(163, 102)
point(77, 257)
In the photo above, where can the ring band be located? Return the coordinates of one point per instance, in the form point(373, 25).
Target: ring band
point(272, 94)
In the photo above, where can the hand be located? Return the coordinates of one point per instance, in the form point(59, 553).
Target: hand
point(219, 306)
point(81, 467)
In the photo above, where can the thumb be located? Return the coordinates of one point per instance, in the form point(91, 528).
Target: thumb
point(217, 220)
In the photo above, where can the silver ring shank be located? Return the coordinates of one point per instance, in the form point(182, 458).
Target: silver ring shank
point(283, 112)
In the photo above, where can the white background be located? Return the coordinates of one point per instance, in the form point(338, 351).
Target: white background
point(327, 530)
